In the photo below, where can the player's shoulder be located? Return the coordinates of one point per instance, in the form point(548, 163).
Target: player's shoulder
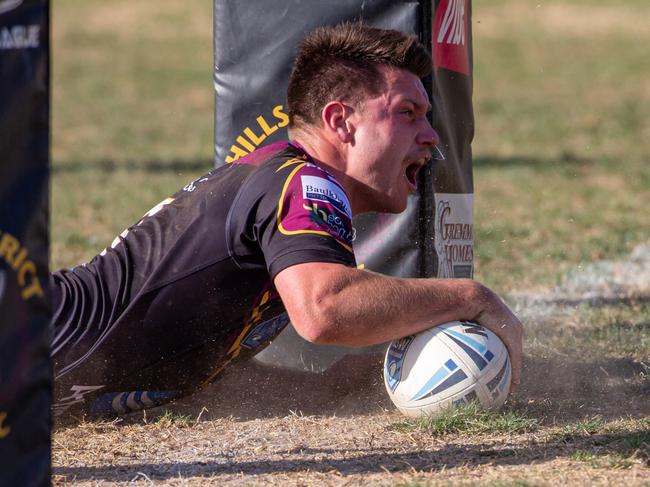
point(270, 155)
point(292, 168)
point(304, 180)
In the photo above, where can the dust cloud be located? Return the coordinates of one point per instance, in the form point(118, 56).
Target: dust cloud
point(555, 386)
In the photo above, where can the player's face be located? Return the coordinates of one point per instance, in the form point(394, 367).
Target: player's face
point(392, 140)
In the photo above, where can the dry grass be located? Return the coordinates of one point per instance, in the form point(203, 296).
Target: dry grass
point(325, 450)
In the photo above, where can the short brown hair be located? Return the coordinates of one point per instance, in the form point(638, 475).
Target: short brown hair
point(341, 63)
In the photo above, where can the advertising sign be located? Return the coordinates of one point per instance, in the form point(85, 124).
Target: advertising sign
point(25, 383)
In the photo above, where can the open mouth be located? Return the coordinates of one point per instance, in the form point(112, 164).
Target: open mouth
point(411, 172)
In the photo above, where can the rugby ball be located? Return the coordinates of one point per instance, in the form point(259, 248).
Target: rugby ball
point(446, 366)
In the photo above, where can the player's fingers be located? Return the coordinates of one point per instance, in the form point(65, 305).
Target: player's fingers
point(515, 361)
point(515, 350)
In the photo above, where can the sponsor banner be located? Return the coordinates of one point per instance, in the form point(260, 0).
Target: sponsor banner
point(453, 119)
point(454, 234)
point(25, 382)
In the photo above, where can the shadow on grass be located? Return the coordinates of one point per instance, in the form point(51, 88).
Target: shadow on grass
point(376, 460)
point(161, 165)
point(553, 390)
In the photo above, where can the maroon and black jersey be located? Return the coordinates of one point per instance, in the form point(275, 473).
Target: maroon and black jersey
point(189, 287)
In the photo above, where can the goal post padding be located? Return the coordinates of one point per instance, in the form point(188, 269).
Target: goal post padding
point(25, 382)
point(254, 45)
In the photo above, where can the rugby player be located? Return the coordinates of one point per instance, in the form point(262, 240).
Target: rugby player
point(212, 274)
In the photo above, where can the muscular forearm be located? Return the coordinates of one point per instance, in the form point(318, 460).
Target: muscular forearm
point(332, 304)
point(358, 308)
point(377, 309)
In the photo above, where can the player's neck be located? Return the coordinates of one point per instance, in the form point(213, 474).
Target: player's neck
point(329, 155)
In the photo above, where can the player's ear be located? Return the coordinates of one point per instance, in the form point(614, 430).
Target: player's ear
point(335, 119)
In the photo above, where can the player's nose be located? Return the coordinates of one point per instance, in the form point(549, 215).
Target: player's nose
point(427, 137)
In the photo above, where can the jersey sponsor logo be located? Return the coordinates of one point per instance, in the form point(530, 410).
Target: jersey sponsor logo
point(321, 189)
point(6, 5)
point(450, 27)
point(324, 217)
point(325, 209)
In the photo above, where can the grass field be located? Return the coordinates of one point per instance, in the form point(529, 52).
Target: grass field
point(562, 184)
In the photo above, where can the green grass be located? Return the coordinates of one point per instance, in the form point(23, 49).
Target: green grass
point(169, 418)
point(561, 146)
point(132, 114)
point(131, 81)
point(594, 332)
point(470, 419)
point(608, 445)
point(607, 461)
point(579, 429)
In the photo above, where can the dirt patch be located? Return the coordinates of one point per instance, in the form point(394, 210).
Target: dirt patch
point(315, 450)
point(260, 426)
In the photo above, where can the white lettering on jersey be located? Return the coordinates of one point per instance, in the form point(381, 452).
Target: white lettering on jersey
point(322, 189)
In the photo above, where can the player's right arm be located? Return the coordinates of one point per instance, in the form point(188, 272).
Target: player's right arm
point(335, 304)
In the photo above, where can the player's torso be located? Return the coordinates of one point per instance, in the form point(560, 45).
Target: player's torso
point(186, 279)
point(188, 289)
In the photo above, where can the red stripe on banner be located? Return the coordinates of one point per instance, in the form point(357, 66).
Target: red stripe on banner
point(450, 36)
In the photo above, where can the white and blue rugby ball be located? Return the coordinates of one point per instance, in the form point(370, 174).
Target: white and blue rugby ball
point(446, 366)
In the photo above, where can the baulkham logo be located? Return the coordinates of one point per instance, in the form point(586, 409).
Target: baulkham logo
point(450, 49)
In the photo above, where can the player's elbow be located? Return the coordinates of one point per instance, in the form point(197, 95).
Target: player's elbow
point(318, 323)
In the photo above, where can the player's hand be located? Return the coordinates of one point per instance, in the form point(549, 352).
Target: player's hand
point(498, 318)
